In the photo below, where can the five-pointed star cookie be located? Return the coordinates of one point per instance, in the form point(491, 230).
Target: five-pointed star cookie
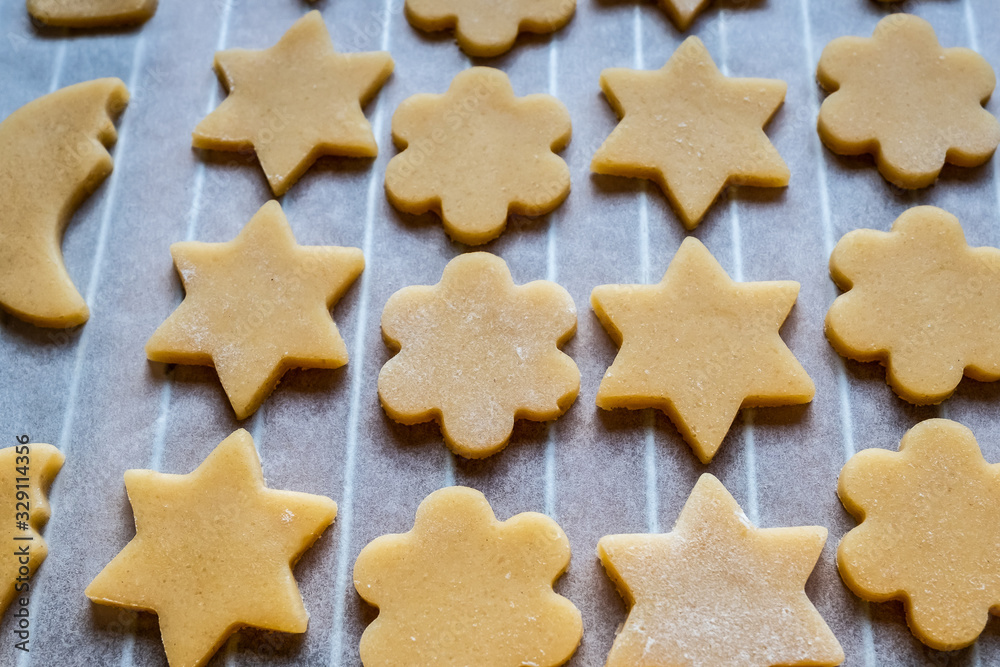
point(929, 531)
point(937, 300)
point(462, 588)
point(477, 352)
point(486, 28)
point(691, 130)
point(718, 591)
point(908, 101)
point(213, 552)
point(26, 472)
point(257, 306)
point(699, 346)
point(473, 164)
point(294, 102)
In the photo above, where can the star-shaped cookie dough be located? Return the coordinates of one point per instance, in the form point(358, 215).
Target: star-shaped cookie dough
point(26, 472)
point(213, 552)
point(683, 12)
point(911, 103)
point(699, 346)
point(462, 588)
point(937, 300)
point(718, 591)
point(294, 102)
point(486, 28)
point(929, 531)
point(473, 164)
point(691, 130)
point(257, 306)
point(477, 352)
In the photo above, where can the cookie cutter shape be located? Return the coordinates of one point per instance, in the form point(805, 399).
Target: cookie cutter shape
point(928, 531)
point(691, 130)
point(718, 590)
point(477, 352)
point(920, 301)
point(699, 346)
point(911, 103)
point(683, 12)
point(486, 28)
point(462, 588)
point(26, 472)
point(478, 153)
point(52, 156)
point(295, 102)
point(213, 552)
point(91, 13)
point(256, 307)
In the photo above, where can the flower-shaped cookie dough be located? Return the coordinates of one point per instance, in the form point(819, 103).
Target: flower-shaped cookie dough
point(478, 352)
point(908, 101)
point(699, 346)
point(718, 591)
point(462, 588)
point(929, 531)
point(478, 153)
point(691, 130)
point(920, 301)
point(486, 28)
point(294, 102)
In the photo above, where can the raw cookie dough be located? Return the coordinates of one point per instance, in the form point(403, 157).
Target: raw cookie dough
point(477, 153)
point(937, 302)
point(213, 552)
point(486, 28)
point(256, 307)
point(295, 102)
point(91, 13)
point(462, 588)
point(683, 12)
point(52, 155)
point(477, 352)
point(929, 531)
point(27, 470)
point(911, 103)
point(699, 346)
point(718, 591)
point(691, 130)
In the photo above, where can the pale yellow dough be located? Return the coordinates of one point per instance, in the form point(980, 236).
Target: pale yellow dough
point(683, 12)
point(463, 588)
point(487, 28)
point(477, 352)
point(929, 531)
point(699, 347)
point(718, 591)
point(478, 153)
point(213, 552)
point(911, 103)
point(52, 156)
point(691, 130)
point(295, 102)
point(28, 470)
point(91, 13)
point(920, 301)
point(256, 307)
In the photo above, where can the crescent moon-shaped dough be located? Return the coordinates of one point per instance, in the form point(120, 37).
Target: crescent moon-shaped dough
point(52, 155)
point(91, 13)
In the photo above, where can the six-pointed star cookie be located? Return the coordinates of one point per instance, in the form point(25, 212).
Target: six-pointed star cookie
point(473, 163)
point(699, 346)
point(929, 531)
point(213, 552)
point(257, 306)
point(463, 588)
point(294, 102)
point(487, 28)
point(937, 299)
point(717, 591)
point(908, 101)
point(691, 130)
